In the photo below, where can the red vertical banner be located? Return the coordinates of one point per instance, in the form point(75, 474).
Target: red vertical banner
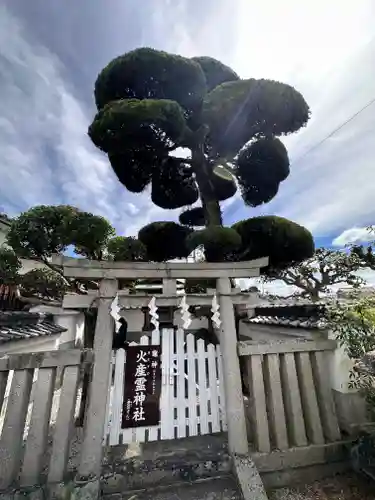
point(141, 406)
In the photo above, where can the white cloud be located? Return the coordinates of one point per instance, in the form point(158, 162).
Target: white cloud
point(294, 40)
point(353, 235)
point(47, 157)
point(132, 209)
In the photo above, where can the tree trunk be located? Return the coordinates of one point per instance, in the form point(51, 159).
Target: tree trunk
point(212, 213)
point(314, 295)
point(203, 172)
point(213, 217)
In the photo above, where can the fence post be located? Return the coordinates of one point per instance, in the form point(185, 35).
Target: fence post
point(237, 434)
point(92, 448)
point(350, 405)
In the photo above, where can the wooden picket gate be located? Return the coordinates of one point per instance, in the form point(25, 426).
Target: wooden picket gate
point(192, 399)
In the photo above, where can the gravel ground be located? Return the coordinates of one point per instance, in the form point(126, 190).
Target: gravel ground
point(350, 486)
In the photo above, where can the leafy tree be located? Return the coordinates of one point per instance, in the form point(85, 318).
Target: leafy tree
point(282, 240)
point(41, 232)
point(366, 252)
point(46, 230)
point(10, 266)
point(43, 283)
point(126, 249)
point(165, 240)
point(122, 248)
point(315, 275)
point(89, 234)
point(353, 324)
point(151, 103)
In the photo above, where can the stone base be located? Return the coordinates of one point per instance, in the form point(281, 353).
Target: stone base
point(248, 478)
point(163, 463)
point(304, 475)
point(302, 465)
point(351, 410)
point(89, 490)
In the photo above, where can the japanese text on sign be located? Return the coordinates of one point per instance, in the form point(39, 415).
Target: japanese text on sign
point(141, 406)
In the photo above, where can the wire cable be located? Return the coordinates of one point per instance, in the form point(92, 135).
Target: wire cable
point(334, 131)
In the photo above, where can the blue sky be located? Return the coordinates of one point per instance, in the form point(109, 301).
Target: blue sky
point(51, 52)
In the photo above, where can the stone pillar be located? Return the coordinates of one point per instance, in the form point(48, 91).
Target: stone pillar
point(237, 435)
point(92, 447)
point(351, 407)
point(169, 287)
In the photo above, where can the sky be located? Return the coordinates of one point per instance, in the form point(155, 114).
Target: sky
point(51, 53)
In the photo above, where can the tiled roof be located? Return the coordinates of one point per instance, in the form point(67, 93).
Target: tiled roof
point(296, 316)
point(21, 325)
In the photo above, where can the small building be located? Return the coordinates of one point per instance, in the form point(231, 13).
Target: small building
point(25, 332)
point(283, 322)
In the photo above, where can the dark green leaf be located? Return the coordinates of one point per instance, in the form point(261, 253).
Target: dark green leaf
point(122, 248)
point(216, 240)
point(264, 160)
point(10, 265)
point(238, 111)
point(224, 184)
point(164, 240)
point(192, 217)
point(133, 169)
point(90, 234)
point(260, 167)
point(173, 186)
point(151, 125)
point(43, 283)
point(215, 72)
point(146, 73)
point(282, 240)
point(41, 231)
point(254, 194)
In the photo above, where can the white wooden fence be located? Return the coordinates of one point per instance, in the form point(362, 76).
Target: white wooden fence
point(26, 414)
point(192, 401)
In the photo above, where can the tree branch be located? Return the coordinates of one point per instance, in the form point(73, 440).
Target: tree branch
point(55, 269)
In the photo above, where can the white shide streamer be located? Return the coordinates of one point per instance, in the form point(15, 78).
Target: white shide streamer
point(115, 312)
point(185, 315)
point(154, 313)
point(215, 309)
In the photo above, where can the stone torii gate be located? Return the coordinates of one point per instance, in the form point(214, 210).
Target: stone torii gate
point(108, 273)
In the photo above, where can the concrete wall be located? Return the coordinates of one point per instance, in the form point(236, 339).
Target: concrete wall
point(3, 232)
point(350, 405)
point(72, 321)
point(39, 344)
point(251, 331)
point(29, 265)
